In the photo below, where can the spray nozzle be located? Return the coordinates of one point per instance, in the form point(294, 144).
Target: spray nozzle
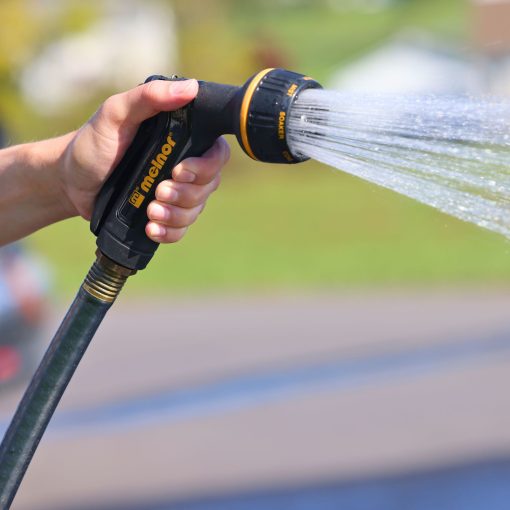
point(267, 99)
point(256, 113)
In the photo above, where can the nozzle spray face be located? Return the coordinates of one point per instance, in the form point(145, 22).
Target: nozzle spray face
point(267, 98)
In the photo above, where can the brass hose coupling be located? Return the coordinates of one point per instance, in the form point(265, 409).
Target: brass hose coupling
point(106, 278)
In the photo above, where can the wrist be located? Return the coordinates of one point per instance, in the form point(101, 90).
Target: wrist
point(44, 161)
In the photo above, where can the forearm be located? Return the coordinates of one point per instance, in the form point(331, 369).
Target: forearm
point(31, 191)
point(51, 180)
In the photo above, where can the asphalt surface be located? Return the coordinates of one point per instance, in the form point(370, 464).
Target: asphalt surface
point(360, 400)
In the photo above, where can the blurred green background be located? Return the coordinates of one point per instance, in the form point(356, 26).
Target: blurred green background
point(267, 227)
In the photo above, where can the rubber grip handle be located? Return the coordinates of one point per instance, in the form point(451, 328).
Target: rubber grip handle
point(120, 213)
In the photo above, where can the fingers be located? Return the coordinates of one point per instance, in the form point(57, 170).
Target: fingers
point(138, 104)
point(204, 169)
point(180, 201)
point(173, 216)
point(177, 206)
point(185, 195)
point(162, 234)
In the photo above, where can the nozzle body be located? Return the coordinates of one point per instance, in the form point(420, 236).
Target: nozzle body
point(256, 113)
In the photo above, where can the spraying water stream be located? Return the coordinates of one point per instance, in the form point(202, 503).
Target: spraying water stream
point(452, 153)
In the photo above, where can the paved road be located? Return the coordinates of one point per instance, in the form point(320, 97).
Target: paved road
point(209, 402)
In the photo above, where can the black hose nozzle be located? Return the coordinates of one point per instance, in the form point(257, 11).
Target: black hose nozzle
point(256, 113)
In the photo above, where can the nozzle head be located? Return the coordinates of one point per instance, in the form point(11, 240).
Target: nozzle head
point(266, 100)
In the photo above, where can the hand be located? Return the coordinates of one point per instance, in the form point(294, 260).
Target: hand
point(95, 149)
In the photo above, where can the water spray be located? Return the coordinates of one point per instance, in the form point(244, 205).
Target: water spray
point(257, 114)
point(449, 152)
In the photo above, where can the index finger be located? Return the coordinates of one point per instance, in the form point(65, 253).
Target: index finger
point(204, 169)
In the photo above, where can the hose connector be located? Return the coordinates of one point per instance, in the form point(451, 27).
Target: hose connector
point(105, 279)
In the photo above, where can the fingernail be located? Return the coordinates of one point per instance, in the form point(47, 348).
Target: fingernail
point(181, 87)
point(168, 194)
point(186, 176)
point(159, 212)
point(156, 230)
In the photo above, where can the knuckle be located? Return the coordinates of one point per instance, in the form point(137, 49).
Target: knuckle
point(195, 164)
point(110, 105)
point(206, 173)
point(147, 92)
point(175, 234)
point(184, 218)
point(216, 183)
point(194, 196)
point(153, 92)
point(193, 216)
point(202, 195)
point(111, 111)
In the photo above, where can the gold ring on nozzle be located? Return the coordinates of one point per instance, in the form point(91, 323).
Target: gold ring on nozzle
point(245, 107)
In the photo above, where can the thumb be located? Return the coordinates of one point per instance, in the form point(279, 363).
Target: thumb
point(129, 109)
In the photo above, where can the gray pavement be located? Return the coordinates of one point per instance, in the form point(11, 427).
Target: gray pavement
point(221, 394)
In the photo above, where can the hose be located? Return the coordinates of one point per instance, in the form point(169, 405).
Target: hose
point(95, 296)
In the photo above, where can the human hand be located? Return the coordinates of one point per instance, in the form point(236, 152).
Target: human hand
point(94, 151)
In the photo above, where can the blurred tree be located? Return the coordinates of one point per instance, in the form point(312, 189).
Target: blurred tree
point(25, 26)
point(210, 48)
point(19, 35)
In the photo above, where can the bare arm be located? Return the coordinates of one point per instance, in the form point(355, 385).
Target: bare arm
point(51, 180)
point(31, 192)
